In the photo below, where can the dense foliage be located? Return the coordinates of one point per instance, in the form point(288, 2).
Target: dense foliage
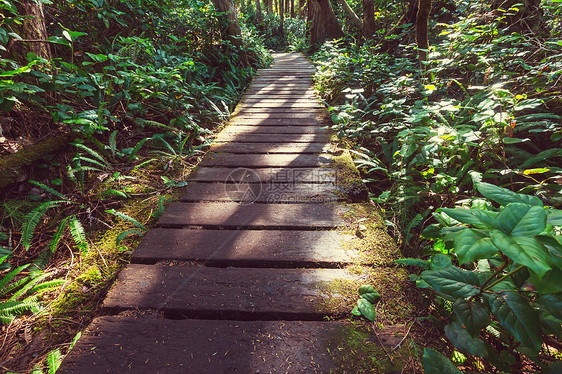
point(137, 87)
point(484, 112)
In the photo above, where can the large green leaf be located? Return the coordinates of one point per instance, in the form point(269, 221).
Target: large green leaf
point(504, 196)
point(474, 316)
point(369, 293)
point(471, 245)
point(525, 251)
point(435, 363)
point(514, 314)
point(476, 217)
point(440, 261)
point(518, 219)
point(551, 303)
point(551, 282)
point(554, 248)
point(554, 217)
point(366, 309)
point(452, 282)
point(464, 342)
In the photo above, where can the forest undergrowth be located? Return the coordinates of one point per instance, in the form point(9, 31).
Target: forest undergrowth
point(462, 153)
point(133, 91)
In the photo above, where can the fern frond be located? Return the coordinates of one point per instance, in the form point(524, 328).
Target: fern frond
point(93, 153)
point(78, 234)
point(127, 218)
point(8, 277)
point(144, 122)
point(54, 359)
point(49, 190)
point(15, 285)
point(417, 262)
point(32, 220)
point(15, 308)
point(92, 161)
point(137, 148)
point(58, 235)
point(25, 289)
point(125, 234)
point(47, 286)
point(74, 340)
point(113, 143)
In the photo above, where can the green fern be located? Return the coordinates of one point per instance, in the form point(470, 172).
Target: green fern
point(8, 277)
point(11, 309)
point(58, 235)
point(49, 190)
point(54, 359)
point(126, 234)
point(47, 286)
point(136, 149)
point(417, 262)
point(32, 220)
point(78, 234)
point(127, 218)
point(149, 123)
point(94, 154)
point(113, 143)
point(27, 287)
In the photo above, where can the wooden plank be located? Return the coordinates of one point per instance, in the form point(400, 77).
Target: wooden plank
point(115, 344)
point(267, 138)
point(269, 129)
point(266, 160)
point(256, 248)
point(210, 292)
point(279, 175)
point(234, 215)
point(272, 193)
point(271, 148)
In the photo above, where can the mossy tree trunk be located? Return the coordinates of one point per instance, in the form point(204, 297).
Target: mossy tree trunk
point(323, 23)
point(32, 31)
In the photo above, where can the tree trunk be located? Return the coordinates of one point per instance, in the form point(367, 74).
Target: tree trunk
point(368, 19)
point(259, 16)
point(323, 23)
point(281, 16)
point(32, 31)
point(269, 6)
point(424, 7)
point(233, 27)
point(302, 10)
point(292, 8)
point(353, 18)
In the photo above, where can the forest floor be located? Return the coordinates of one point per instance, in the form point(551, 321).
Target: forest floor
point(259, 264)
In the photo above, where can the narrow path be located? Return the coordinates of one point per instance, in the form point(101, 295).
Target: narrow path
point(236, 277)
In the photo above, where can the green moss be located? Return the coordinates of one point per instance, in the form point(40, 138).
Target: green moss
point(355, 349)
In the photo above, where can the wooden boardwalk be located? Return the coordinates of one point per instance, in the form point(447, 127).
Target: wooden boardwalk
point(236, 277)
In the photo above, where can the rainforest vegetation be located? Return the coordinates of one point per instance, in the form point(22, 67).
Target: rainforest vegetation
point(452, 109)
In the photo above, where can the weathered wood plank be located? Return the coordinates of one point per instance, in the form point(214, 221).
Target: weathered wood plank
point(115, 344)
point(256, 248)
point(265, 175)
point(271, 148)
point(273, 193)
point(234, 215)
point(266, 160)
point(231, 293)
